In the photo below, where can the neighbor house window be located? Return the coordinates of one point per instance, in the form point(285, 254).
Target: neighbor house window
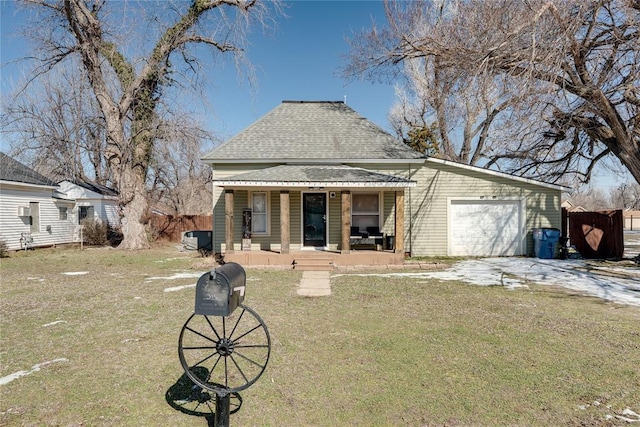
point(365, 210)
point(85, 212)
point(62, 213)
point(260, 212)
point(34, 208)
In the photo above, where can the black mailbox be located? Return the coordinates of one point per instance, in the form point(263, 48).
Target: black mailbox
point(221, 290)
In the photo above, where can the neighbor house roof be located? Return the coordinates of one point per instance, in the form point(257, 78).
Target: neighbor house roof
point(14, 171)
point(314, 176)
point(96, 188)
point(319, 131)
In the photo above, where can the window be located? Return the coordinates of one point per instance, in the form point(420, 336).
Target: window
point(260, 213)
point(365, 210)
point(62, 213)
point(85, 212)
point(34, 208)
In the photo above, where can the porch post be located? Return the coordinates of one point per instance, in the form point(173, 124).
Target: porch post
point(345, 203)
point(285, 232)
point(399, 230)
point(228, 221)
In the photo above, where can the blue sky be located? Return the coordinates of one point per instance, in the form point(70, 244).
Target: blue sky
point(297, 61)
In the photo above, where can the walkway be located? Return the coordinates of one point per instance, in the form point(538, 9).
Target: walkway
point(315, 284)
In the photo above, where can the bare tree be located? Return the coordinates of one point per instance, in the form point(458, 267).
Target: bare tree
point(626, 196)
point(575, 66)
point(129, 90)
point(56, 126)
point(178, 178)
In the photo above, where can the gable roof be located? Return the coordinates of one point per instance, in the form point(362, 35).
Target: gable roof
point(307, 131)
point(14, 171)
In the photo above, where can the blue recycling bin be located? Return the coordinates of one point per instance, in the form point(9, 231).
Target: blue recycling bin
point(544, 242)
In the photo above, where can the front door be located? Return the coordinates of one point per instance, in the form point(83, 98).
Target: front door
point(314, 214)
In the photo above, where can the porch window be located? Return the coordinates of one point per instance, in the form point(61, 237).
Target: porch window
point(365, 210)
point(260, 213)
point(62, 213)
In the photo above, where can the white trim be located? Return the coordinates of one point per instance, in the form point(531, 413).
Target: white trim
point(522, 217)
point(497, 173)
point(26, 184)
point(299, 184)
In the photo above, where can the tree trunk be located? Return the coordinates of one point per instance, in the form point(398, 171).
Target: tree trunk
point(134, 207)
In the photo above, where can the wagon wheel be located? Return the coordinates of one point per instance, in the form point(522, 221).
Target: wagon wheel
point(191, 399)
point(234, 349)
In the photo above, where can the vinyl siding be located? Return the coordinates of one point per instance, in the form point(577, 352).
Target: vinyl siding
point(52, 230)
point(427, 204)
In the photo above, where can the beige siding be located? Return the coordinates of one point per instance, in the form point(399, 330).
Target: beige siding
point(334, 221)
point(427, 204)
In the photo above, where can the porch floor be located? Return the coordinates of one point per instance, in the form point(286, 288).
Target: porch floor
point(316, 259)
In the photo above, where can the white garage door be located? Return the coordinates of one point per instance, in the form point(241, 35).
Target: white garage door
point(484, 228)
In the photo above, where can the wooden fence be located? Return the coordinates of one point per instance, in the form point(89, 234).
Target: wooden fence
point(597, 234)
point(632, 220)
point(170, 228)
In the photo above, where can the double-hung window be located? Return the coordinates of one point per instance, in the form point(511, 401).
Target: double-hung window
point(365, 210)
point(260, 213)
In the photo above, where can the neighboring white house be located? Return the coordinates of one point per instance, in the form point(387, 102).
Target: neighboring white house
point(93, 201)
point(35, 211)
point(32, 210)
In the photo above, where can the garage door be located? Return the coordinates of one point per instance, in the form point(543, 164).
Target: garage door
point(484, 228)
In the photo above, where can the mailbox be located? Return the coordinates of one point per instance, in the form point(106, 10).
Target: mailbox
point(221, 290)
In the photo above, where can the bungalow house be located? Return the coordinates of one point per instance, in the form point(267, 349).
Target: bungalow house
point(318, 176)
point(93, 201)
point(33, 212)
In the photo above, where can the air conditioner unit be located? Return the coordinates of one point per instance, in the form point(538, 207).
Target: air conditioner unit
point(24, 211)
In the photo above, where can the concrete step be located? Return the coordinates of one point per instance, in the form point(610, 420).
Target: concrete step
point(313, 264)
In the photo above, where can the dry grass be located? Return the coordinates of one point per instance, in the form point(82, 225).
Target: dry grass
point(378, 352)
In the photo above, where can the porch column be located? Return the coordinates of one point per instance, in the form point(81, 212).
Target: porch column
point(285, 224)
point(345, 203)
point(399, 230)
point(228, 221)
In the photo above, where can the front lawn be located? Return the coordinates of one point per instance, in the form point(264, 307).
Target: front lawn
point(90, 338)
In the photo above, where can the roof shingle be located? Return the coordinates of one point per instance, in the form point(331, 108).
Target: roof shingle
point(312, 130)
point(13, 170)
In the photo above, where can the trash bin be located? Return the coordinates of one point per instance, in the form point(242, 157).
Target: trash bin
point(390, 241)
point(544, 242)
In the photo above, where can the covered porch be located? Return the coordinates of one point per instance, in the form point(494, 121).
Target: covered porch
point(317, 208)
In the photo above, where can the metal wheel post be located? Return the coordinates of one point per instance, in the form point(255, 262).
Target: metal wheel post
point(222, 409)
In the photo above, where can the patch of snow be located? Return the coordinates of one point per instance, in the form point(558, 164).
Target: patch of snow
point(179, 288)
point(34, 368)
point(516, 272)
point(46, 325)
point(176, 276)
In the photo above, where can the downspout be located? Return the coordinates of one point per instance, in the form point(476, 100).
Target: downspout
point(213, 211)
point(410, 217)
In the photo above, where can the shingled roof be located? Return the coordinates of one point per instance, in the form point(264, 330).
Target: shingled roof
point(322, 131)
point(315, 175)
point(14, 171)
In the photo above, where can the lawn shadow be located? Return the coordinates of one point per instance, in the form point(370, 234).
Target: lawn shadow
point(191, 399)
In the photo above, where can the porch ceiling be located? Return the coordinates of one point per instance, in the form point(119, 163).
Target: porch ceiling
point(315, 176)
